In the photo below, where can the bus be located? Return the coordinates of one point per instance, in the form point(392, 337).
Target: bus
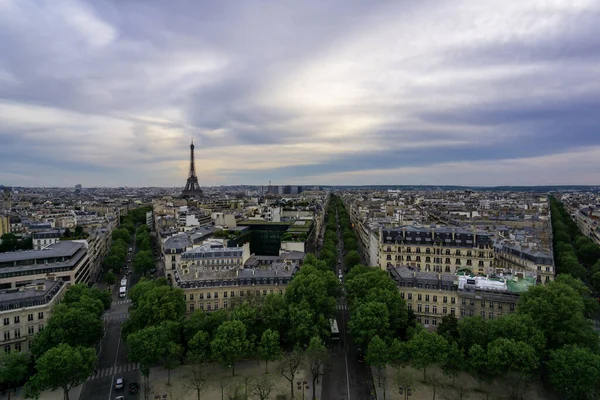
point(335, 332)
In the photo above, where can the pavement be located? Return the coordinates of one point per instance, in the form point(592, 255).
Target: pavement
point(346, 379)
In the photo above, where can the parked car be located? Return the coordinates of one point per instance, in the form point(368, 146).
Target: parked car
point(133, 387)
point(360, 356)
point(119, 383)
point(120, 398)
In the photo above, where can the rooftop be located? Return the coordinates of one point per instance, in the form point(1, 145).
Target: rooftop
point(38, 293)
point(56, 250)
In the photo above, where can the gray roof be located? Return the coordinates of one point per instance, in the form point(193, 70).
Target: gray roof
point(60, 249)
point(30, 296)
point(181, 241)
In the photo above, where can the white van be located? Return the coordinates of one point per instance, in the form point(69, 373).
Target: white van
point(124, 282)
point(122, 291)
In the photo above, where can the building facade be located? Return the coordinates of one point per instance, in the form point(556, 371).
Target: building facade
point(25, 311)
point(432, 296)
point(45, 238)
point(440, 249)
point(67, 260)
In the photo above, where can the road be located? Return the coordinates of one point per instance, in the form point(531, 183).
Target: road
point(112, 359)
point(346, 378)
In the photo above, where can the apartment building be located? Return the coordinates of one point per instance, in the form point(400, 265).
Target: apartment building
point(214, 277)
point(45, 238)
point(67, 260)
point(436, 249)
point(512, 258)
point(24, 311)
point(431, 296)
point(4, 224)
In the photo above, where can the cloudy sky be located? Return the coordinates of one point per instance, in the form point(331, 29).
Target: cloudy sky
point(110, 93)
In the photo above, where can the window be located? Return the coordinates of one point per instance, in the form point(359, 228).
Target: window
point(445, 299)
point(202, 306)
point(7, 348)
point(482, 303)
point(491, 303)
point(482, 313)
point(201, 296)
point(426, 297)
point(427, 309)
point(208, 295)
point(224, 304)
point(453, 300)
point(434, 322)
point(512, 307)
point(216, 295)
point(264, 292)
point(419, 297)
point(191, 296)
point(225, 294)
point(6, 321)
point(472, 302)
point(435, 298)
point(30, 317)
point(40, 328)
point(232, 293)
point(409, 305)
point(30, 330)
point(434, 309)
point(191, 307)
point(419, 308)
point(471, 313)
point(402, 294)
point(499, 306)
point(208, 307)
point(41, 315)
point(409, 296)
point(216, 305)
point(6, 335)
point(18, 346)
point(17, 319)
point(426, 321)
point(445, 310)
point(17, 333)
point(491, 315)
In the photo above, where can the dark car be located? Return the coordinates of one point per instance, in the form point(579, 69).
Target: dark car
point(133, 387)
point(360, 356)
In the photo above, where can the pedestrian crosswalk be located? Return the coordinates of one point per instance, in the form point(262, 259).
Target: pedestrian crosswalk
point(116, 317)
point(119, 369)
point(126, 301)
point(342, 307)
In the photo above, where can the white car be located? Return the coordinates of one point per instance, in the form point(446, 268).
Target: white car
point(340, 277)
point(119, 383)
point(120, 398)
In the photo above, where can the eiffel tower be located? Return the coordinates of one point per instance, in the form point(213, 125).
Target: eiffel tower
point(192, 188)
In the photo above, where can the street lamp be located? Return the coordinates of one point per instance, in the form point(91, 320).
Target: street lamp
point(303, 385)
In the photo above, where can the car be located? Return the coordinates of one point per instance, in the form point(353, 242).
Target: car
point(339, 271)
point(360, 356)
point(340, 276)
point(133, 387)
point(120, 382)
point(120, 398)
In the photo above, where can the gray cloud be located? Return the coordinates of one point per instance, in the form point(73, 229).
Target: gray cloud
point(111, 92)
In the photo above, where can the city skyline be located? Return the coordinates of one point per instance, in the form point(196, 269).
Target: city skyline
point(342, 93)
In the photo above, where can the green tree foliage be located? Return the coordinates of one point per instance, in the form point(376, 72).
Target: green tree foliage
point(367, 321)
point(14, 369)
point(249, 317)
point(317, 357)
point(144, 262)
point(520, 328)
point(427, 348)
point(274, 313)
point(471, 331)
point(76, 292)
point(70, 325)
point(352, 259)
point(64, 367)
point(122, 234)
point(110, 278)
point(558, 311)
point(516, 361)
point(455, 361)
point(448, 328)
point(574, 372)
point(289, 367)
point(377, 355)
point(202, 321)
point(269, 347)
point(149, 346)
point(142, 229)
point(230, 343)
point(199, 347)
point(172, 357)
point(154, 303)
point(12, 242)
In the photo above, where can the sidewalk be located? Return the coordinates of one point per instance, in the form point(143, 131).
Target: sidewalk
point(47, 395)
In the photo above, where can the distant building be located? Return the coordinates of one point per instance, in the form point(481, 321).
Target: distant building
point(45, 238)
point(4, 224)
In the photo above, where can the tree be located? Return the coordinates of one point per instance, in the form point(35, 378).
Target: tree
point(173, 353)
point(263, 387)
point(590, 303)
point(76, 292)
point(515, 360)
point(455, 362)
point(557, 310)
point(14, 368)
point(32, 389)
point(589, 253)
point(110, 278)
point(70, 325)
point(122, 234)
point(518, 327)
point(199, 347)
point(377, 356)
point(143, 262)
point(65, 367)
point(269, 348)
point(149, 346)
point(230, 343)
point(317, 356)
point(471, 331)
point(478, 365)
point(289, 367)
point(302, 323)
point(158, 304)
point(274, 313)
point(427, 348)
point(574, 372)
point(197, 380)
point(367, 320)
point(352, 259)
point(448, 328)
